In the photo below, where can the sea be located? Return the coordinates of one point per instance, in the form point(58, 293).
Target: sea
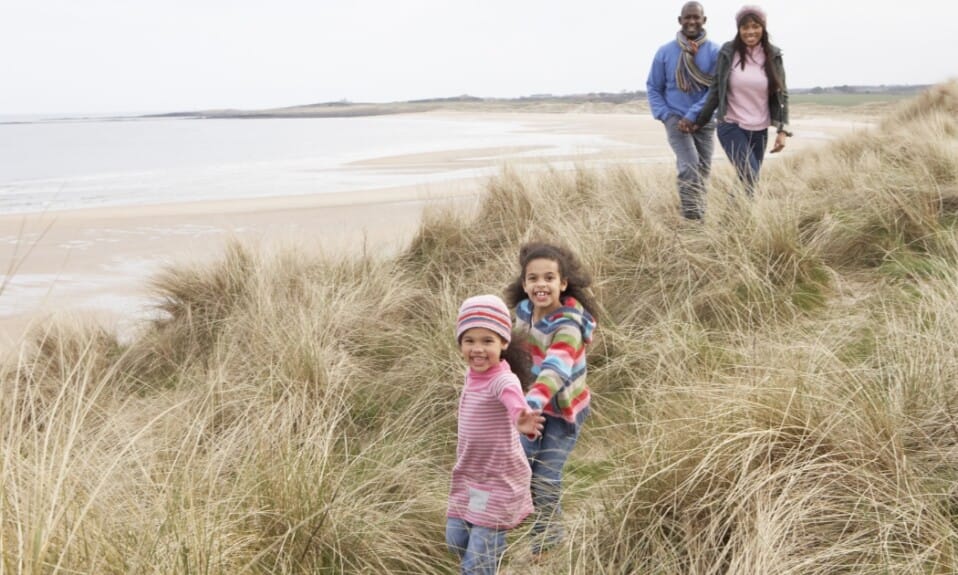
point(61, 163)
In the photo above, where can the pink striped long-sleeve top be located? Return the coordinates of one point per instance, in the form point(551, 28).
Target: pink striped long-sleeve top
point(490, 481)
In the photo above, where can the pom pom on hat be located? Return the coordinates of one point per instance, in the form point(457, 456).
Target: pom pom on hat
point(488, 311)
point(750, 10)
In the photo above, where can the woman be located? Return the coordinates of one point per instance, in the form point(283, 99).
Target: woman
point(750, 95)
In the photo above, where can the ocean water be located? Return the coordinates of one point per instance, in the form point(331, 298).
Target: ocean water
point(68, 164)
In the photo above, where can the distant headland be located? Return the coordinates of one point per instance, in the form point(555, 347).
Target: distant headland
point(598, 102)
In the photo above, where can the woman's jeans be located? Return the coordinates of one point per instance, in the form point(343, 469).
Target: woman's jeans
point(547, 456)
point(479, 548)
point(746, 150)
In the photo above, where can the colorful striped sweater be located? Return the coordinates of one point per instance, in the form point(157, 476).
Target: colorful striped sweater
point(491, 478)
point(557, 343)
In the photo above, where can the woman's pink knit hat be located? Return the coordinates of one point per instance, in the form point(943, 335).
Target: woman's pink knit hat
point(488, 311)
point(750, 10)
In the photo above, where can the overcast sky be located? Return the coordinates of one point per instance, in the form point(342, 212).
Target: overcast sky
point(121, 56)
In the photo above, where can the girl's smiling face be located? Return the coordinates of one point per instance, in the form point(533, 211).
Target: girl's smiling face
point(543, 283)
point(481, 348)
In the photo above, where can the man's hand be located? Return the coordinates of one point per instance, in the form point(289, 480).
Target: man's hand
point(686, 125)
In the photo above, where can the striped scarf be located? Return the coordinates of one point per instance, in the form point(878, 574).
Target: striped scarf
point(687, 74)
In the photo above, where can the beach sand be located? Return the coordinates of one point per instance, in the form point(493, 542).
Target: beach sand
point(95, 264)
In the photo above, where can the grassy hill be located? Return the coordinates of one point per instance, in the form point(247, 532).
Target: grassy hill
point(775, 391)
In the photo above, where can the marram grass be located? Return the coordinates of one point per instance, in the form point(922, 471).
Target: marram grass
point(776, 391)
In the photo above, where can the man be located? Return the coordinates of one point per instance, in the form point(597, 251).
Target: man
point(677, 86)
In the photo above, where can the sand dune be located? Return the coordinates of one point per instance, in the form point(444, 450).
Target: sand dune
point(96, 263)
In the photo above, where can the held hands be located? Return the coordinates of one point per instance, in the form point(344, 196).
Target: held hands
point(779, 144)
point(530, 422)
point(687, 126)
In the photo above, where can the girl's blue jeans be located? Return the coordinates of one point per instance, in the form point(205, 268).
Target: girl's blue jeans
point(479, 548)
point(746, 150)
point(547, 456)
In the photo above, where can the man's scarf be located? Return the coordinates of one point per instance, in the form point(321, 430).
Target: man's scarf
point(687, 73)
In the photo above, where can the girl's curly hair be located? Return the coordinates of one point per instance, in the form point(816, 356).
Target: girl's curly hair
point(578, 280)
point(520, 361)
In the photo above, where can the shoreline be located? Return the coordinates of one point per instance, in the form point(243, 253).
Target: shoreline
point(95, 263)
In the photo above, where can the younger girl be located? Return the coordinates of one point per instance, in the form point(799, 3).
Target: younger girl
point(490, 482)
point(554, 313)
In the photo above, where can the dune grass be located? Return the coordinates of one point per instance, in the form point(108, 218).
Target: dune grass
point(775, 391)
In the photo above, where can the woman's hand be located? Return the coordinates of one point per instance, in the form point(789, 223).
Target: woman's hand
point(779, 143)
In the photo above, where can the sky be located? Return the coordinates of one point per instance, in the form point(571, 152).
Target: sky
point(145, 56)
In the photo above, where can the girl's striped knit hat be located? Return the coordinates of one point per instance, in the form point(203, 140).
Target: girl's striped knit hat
point(488, 311)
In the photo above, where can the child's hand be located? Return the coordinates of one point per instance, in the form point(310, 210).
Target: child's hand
point(530, 422)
